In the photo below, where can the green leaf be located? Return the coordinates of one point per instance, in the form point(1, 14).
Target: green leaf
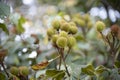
point(89, 70)
point(100, 69)
point(2, 76)
point(56, 74)
point(104, 76)
point(4, 28)
point(20, 28)
point(4, 10)
point(117, 64)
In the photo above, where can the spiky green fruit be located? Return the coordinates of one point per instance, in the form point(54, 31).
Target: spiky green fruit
point(86, 17)
point(50, 32)
point(14, 70)
point(56, 24)
point(100, 26)
point(63, 34)
point(89, 24)
point(54, 38)
point(61, 42)
point(72, 23)
point(73, 29)
point(71, 41)
point(81, 22)
point(24, 70)
point(65, 27)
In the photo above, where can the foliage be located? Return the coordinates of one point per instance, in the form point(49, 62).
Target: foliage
point(71, 44)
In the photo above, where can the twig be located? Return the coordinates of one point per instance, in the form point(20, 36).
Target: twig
point(2, 64)
point(63, 59)
point(67, 53)
point(60, 61)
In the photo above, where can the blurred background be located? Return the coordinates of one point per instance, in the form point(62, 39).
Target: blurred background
point(28, 21)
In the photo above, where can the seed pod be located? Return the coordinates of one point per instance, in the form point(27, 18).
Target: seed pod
point(89, 24)
point(100, 26)
point(61, 42)
point(73, 29)
point(72, 24)
point(56, 24)
point(50, 32)
point(115, 29)
point(24, 70)
point(62, 21)
point(14, 70)
point(71, 41)
point(86, 17)
point(65, 27)
point(54, 38)
point(63, 34)
point(81, 22)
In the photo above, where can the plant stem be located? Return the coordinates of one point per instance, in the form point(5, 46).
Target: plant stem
point(67, 53)
point(2, 64)
point(60, 59)
point(63, 59)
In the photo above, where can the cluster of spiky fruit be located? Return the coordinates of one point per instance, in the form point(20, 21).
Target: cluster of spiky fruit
point(62, 33)
point(22, 70)
point(100, 26)
point(83, 20)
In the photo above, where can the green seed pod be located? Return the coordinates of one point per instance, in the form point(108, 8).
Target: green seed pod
point(100, 26)
point(86, 17)
point(63, 34)
point(24, 70)
point(50, 32)
point(54, 38)
point(89, 24)
point(72, 24)
point(73, 29)
point(65, 27)
point(61, 42)
point(56, 24)
point(81, 22)
point(62, 21)
point(71, 41)
point(14, 70)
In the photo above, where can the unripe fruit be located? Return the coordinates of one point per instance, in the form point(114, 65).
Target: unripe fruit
point(72, 24)
point(56, 24)
point(73, 29)
point(14, 70)
point(54, 38)
point(71, 41)
point(61, 42)
point(81, 22)
point(86, 17)
point(63, 34)
point(62, 21)
point(24, 70)
point(65, 27)
point(89, 24)
point(100, 26)
point(50, 32)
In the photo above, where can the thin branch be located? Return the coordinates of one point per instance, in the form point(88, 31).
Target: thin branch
point(2, 64)
point(67, 53)
point(62, 57)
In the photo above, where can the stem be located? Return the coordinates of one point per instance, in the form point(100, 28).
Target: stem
point(63, 59)
point(67, 53)
point(2, 64)
point(60, 61)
